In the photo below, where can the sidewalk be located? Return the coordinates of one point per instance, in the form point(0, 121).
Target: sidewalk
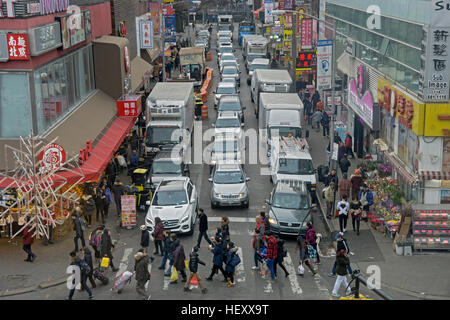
point(421, 276)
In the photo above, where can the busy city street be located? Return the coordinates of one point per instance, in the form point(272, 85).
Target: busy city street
point(287, 228)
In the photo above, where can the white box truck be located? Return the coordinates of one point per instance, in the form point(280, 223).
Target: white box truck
point(192, 61)
point(170, 115)
point(271, 80)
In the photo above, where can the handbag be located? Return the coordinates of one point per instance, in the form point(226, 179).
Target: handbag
point(105, 262)
point(336, 213)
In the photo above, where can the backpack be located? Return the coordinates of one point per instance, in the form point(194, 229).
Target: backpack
point(94, 239)
point(84, 267)
point(235, 260)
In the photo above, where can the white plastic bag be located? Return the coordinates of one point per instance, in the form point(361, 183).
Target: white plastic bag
point(301, 269)
point(122, 280)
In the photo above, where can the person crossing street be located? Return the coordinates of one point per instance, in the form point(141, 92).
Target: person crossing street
point(194, 261)
point(203, 227)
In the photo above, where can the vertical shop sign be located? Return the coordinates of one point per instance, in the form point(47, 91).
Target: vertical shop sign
point(18, 46)
point(307, 34)
point(128, 211)
point(4, 55)
point(268, 8)
point(146, 34)
point(324, 54)
point(155, 13)
point(361, 101)
point(288, 4)
point(288, 21)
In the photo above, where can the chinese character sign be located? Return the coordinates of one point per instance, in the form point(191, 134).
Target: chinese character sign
point(146, 32)
point(155, 12)
point(129, 106)
point(307, 33)
point(18, 46)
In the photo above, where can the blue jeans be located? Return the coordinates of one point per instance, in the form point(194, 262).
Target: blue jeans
point(257, 258)
point(27, 249)
point(270, 263)
point(164, 260)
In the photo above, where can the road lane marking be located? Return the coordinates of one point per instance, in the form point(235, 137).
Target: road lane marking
point(240, 272)
point(124, 262)
point(232, 219)
point(296, 289)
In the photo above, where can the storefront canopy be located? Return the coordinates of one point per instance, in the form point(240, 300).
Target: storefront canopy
point(400, 168)
point(434, 175)
point(140, 71)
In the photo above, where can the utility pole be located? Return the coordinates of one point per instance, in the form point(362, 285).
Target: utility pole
point(163, 40)
point(294, 44)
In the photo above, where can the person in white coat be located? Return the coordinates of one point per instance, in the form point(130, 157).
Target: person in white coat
point(343, 208)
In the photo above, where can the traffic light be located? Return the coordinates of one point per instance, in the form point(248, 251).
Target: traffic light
point(305, 59)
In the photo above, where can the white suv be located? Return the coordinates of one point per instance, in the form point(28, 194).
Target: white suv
point(175, 202)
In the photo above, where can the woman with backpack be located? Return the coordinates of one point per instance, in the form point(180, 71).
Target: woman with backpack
point(231, 262)
point(106, 247)
point(311, 238)
point(281, 253)
point(94, 241)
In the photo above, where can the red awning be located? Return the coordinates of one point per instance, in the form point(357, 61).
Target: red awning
point(400, 168)
point(434, 175)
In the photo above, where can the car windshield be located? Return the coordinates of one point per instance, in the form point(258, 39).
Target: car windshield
point(253, 67)
point(225, 146)
point(229, 63)
point(290, 201)
point(252, 57)
point(224, 27)
point(229, 70)
point(228, 177)
point(227, 123)
point(226, 90)
point(170, 167)
point(225, 49)
point(230, 106)
point(296, 166)
point(231, 80)
point(170, 198)
point(284, 132)
point(161, 135)
point(226, 58)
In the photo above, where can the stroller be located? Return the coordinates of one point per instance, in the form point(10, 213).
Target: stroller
point(99, 274)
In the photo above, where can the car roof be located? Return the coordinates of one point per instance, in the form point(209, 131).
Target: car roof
point(175, 183)
point(296, 186)
point(225, 54)
point(226, 84)
point(167, 155)
point(230, 67)
point(228, 167)
point(233, 97)
point(260, 61)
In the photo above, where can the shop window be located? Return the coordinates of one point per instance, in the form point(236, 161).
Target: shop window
point(445, 196)
point(15, 105)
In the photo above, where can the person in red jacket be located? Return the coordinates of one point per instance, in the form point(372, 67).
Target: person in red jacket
point(311, 238)
point(158, 235)
point(271, 253)
point(27, 240)
point(349, 145)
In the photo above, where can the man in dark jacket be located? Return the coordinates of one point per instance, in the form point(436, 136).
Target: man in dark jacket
point(142, 274)
point(344, 164)
point(81, 266)
point(77, 228)
point(194, 260)
point(332, 177)
point(27, 241)
point(118, 191)
point(349, 145)
point(325, 123)
point(158, 235)
point(315, 98)
point(217, 251)
point(145, 237)
point(342, 263)
point(166, 245)
point(178, 261)
point(203, 227)
point(88, 260)
point(173, 244)
point(341, 244)
point(106, 247)
point(308, 109)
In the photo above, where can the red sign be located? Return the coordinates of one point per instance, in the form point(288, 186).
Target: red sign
point(18, 46)
point(305, 60)
point(307, 33)
point(85, 152)
point(51, 109)
point(53, 157)
point(129, 106)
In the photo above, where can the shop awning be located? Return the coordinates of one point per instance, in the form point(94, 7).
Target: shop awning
point(153, 53)
point(400, 168)
point(434, 175)
point(140, 71)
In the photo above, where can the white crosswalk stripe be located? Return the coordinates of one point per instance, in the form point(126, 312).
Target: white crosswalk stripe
point(124, 262)
point(296, 289)
point(240, 272)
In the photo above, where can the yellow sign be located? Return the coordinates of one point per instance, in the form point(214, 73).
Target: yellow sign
point(287, 34)
point(409, 111)
point(168, 1)
point(279, 46)
point(437, 120)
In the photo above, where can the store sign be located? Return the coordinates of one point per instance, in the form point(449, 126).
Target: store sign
point(169, 23)
point(129, 106)
point(27, 8)
point(400, 105)
point(53, 6)
point(288, 4)
point(437, 120)
point(307, 34)
point(146, 34)
point(73, 29)
point(268, 8)
point(360, 100)
point(305, 60)
point(4, 56)
point(18, 48)
point(155, 13)
point(276, 30)
point(324, 56)
point(288, 18)
point(53, 157)
point(45, 38)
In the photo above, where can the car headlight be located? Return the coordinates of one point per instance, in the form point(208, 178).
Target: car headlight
point(272, 218)
point(313, 186)
point(217, 195)
point(243, 194)
point(149, 220)
point(184, 219)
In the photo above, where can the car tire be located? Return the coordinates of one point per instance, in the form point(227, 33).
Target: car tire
point(247, 205)
point(213, 206)
point(271, 180)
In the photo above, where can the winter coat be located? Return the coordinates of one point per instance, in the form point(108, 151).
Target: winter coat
point(166, 244)
point(341, 265)
point(88, 260)
point(194, 260)
point(329, 194)
point(325, 121)
point(342, 245)
point(266, 224)
point(108, 196)
point(280, 251)
point(348, 141)
point(88, 205)
point(77, 227)
point(145, 239)
point(225, 229)
point(331, 178)
point(27, 236)
point(141, 267)
point(356, 181)
point(341, 152)
point(317, 116)
point(171, 249)
point(106, 245)
point(308, 106)
point(355, 207)
point(344, 187)
point(272, 248)
point(118, 190)
point(158, 233)
point(315, 98)
point(230, 254)
point(218, 255)
point(337, 138)
point(203, 222)
point(99, 198)
point(262, 228)
point(256, 242)
point(311, 236)
point(344, 163)
point(369, 196)
point(179, 257)
point(343, 207)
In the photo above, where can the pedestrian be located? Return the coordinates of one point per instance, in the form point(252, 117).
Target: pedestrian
point(343, 207)
point(257, 244)
point(325, 121)
point(110, 173)
point(99, 198)
point(281, 253)
point(311, 238)
point(366, 199)
point(315, 98)
point(166, 247)
point(316, 119)
point(107, 200)
point(194, 261)
point(332, 177)
point(203, 227)
point(134, 161)
point(337, 138)
point(174, 242)
point(342, 262)
point(340, 244)
point(48, 221)
point(95, 240)
point(341, 152)
point(231, 263)
point(344, 163)
point(225, 228)
point(355, 210)
point(217, 251)
point(344, 186)
point(27, 241)
point(88, 259)
point(300, 94)
point(349, 145)
point(158, 235)
point(308, 109)
point(356, 181)
point(265, 220)
point(78, 227)
point(88, 205)
point(142, 261)
point(84, 270)
point(271, 254)
point(304, 258)
point(118, 191)
point(328, 193)
point(178, 261)
point(145, 237)
point(260, 226)
point(106, 247)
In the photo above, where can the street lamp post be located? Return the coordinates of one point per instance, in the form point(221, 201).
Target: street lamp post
point(163, 44)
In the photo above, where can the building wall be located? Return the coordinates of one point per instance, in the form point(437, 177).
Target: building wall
point(128, 10)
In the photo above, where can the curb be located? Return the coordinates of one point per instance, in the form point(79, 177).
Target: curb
point(52, 283)
point(43, 285)
point(18, 291)
point(319, 200)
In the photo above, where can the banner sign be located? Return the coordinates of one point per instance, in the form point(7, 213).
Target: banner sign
point(128, 211)
point(53, 157)
point(45, 38)
point(307, 34)
point(146, 34)
point(268, 8)
point(155, 13)
point(324, 55)
point(18, 46)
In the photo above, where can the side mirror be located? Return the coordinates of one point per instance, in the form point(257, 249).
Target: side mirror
point(307, 133)
point(213, 125)
point(247, 179)
point(147, 203)
point(210, 180)
point(267, 201)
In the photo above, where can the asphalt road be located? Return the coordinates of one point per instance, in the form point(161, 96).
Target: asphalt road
point(250, 285)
